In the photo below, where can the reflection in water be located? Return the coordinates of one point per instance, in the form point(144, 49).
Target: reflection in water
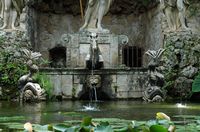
point(52, 112)
point(180, 105)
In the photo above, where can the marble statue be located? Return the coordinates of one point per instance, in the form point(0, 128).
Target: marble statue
point(95, 11)
point(2, 8)
point(94, 59)
point(175, 12)
point(10, 11)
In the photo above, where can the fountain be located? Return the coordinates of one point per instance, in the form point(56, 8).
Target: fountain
point(104, 59)
point(107, 45)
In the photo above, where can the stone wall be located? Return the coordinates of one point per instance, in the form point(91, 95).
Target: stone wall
point(142, 26)
point(116, 84)
point(181, 58)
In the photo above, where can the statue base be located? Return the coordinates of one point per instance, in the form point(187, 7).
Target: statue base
point(95, 30)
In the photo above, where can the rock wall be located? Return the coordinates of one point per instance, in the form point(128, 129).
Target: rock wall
point(181, 58)
point(181, 63)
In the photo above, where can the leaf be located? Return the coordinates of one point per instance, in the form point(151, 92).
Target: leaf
point(86, 129)
point(60, 128)
point(158, 128)
point(45, 128)
point(86, 121)
point(196, 84)
point(104, 127)
point(10, 119)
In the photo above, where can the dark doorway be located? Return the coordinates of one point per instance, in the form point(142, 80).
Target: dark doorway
point(57, 57)
point(132, 56)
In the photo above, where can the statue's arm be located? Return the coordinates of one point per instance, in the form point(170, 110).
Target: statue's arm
point(162, 4)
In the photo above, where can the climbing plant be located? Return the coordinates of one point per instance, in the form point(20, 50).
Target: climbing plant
point(12, 65)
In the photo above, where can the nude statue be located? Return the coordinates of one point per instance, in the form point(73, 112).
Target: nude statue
point(11, 10)
point(2, 8)
point(94, 13)
point(181, 6)
point(175, 12)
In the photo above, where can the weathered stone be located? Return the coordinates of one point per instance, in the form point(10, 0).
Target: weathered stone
point(182, 87)
point(189, 72)
point(184, 59)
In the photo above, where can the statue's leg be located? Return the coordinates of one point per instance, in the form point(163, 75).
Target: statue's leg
point(169, 17)
point(7, 7)
point(102, 6)
point(14, 18)
point(87, 18)
point(2, 8)
point(181, 14)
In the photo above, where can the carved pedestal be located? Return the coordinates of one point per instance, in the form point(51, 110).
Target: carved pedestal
point(78, 45)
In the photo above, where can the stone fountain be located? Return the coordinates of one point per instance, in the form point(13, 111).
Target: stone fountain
point(105, 48)
point(94, 57)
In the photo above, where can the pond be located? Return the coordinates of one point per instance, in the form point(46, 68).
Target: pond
point(55, 112)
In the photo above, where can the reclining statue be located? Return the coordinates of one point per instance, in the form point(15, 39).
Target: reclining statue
point(175, 12)
point(95, 11)
point(10, 12)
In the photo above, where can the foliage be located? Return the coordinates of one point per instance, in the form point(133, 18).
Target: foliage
point(12, 65)
point(14, 54)
point(88, 125)
point(193, 8)
point(196, 84)
point(184, 123)
point(44, 81)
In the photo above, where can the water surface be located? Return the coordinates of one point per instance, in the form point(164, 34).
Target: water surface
point(55, 112)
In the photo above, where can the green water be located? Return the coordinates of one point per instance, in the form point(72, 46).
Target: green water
point(55, 112)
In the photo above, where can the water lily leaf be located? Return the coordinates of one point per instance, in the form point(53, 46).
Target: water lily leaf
point(60, 128)
point(10, 119)
point(152, 122)
point(86, 129)
point(86, 121)
point(45, 128)
point(73, 129)
point(125, 129)
point(158, 128)
point(104, 129)
point(11, 126)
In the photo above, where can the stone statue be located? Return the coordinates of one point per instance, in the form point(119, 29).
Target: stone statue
point(2, 8)
point(29, 90)
point(11, 10)
point(153, 93)
point(93, 83)
point(94, 59)
point(175, 12)
point(95, 11)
